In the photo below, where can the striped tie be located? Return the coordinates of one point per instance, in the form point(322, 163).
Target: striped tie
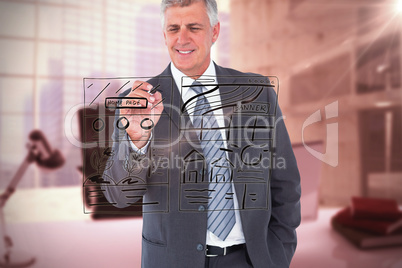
point(221, 216)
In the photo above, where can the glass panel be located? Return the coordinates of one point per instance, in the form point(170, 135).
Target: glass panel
point(14, 131)
point(51, 59)
point(17, 19)
point(17, 57)
point(16, 96)
point(50, 22)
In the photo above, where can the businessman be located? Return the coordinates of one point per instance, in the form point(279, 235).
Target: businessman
point(219, 206)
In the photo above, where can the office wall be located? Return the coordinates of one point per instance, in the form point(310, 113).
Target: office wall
point(344, 53)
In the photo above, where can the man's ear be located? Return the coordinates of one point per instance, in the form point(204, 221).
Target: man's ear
point(215, 32)
point(164, 36)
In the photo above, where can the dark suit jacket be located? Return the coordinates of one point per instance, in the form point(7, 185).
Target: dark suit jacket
point(174, 224)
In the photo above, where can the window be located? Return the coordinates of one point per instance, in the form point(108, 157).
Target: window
point(46, 51)
point(378, 65)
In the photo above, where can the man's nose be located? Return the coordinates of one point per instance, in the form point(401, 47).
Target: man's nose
point(184, 37)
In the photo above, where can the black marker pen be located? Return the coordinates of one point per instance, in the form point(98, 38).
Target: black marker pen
point(153, 90)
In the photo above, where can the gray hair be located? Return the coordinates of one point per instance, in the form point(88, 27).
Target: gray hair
point(212, 8)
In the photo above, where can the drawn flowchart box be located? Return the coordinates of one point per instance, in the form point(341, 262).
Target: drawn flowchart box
point(104, 98)
point(245, 109)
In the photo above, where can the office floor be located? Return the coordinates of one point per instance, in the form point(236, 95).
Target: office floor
point(58, 234)
point(320, 246)
point(90, 244)
point(50, 225)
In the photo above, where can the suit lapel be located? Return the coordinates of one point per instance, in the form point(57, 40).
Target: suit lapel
point(228, 90)
point(224, 78)
point(173, 108)
point(170, 94)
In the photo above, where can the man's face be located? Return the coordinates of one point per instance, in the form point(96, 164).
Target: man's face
point(189, 37)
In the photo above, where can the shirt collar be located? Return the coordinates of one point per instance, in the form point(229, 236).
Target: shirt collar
point(178, 75)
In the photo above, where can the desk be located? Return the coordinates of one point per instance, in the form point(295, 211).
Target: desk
point(320, 246)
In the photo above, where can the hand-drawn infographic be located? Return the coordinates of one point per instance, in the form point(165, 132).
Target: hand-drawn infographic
point(102, 131)
point(246, 109)
point(180, 166)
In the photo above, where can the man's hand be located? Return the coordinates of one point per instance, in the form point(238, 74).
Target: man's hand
point(142, 121)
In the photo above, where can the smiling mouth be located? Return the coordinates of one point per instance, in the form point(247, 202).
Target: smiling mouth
point(184, 52)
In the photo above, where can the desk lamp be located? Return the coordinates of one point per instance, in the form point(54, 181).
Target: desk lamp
point(39, 152)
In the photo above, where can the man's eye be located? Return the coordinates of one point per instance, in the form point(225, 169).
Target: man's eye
point(173, 30)
point(194, 29)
